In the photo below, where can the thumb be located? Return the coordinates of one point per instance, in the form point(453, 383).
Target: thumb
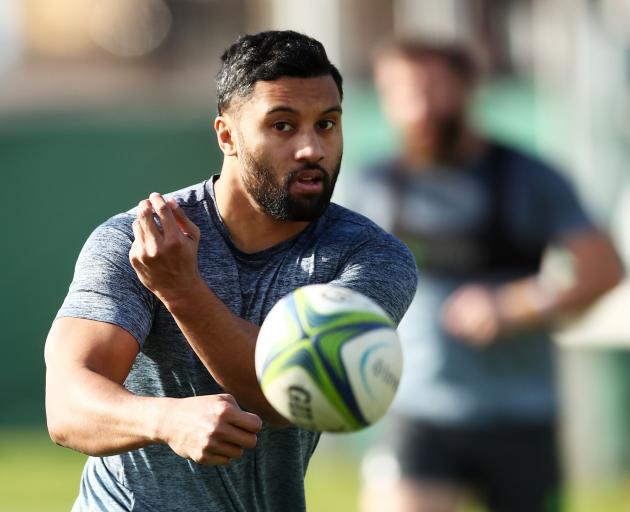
point(243, 419)
point(188, 227)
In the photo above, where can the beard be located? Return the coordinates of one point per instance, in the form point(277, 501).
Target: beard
point(274, 197)
point(449, 137)
point(440, 140)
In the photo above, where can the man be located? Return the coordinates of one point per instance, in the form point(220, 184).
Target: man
point(476, 404)
point(150, 361)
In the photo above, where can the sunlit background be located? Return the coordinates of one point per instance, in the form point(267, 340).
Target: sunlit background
point(105, 101)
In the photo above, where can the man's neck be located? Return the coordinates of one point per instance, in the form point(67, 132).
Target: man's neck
point(250, 228)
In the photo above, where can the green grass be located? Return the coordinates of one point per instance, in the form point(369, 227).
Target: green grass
point(37, 476)
point(332, 481)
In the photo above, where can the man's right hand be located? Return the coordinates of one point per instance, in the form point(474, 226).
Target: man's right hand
point(471, 313)
point(209, 429)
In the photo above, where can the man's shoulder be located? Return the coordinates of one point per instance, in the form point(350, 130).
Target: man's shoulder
point(526, 163)
point(355, 227)
point(117, 225)
point(188, 198)
point(342, 218)
point(191, 196)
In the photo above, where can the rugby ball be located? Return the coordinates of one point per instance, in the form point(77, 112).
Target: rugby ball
point(328, 358)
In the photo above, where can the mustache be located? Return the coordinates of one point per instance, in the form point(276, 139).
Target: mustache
point(307, 167)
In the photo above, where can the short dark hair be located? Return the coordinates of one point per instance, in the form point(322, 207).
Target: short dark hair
point(455, 56)
point(269, 56)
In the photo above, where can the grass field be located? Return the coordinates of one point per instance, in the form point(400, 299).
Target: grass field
point(36, 476)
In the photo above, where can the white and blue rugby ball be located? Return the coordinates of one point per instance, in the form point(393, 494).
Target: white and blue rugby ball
point(328, 359)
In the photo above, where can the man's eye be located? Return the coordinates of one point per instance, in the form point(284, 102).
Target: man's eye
point(326, 124)
point(282, 126)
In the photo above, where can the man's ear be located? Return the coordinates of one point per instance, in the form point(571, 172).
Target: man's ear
point(226, 134)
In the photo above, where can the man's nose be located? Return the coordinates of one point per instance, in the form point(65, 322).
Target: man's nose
point(310, 148)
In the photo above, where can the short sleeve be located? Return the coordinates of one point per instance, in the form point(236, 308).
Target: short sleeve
point(550, 209)
point(382, 268)
point(105, 286)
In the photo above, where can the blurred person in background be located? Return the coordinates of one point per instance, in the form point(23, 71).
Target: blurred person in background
point(476, 408)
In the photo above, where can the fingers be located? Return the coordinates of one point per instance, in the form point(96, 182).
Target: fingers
point(225, 443)
point(471, 314)
point(173, 229)
point(146, 218)
point(187, 227)
point(238, 437)
point(219, 453)
point(138, 232)
point(164, 213)
point(232, 431)
point(247, 421)
point(146, 222)
point(235, 416)
point(173, 220)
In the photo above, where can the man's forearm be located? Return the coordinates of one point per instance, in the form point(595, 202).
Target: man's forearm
point(531, 302)
point(165, 260)
point(225, 344)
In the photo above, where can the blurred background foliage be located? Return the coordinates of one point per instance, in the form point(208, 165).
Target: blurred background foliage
point(105, 101)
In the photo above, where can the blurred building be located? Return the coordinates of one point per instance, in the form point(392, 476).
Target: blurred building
point(68, 52)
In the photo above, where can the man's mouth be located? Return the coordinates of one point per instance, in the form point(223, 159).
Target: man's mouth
point(308, 181)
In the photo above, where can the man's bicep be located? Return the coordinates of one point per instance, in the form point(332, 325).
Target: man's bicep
point(76, 343)
point(105, 286)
